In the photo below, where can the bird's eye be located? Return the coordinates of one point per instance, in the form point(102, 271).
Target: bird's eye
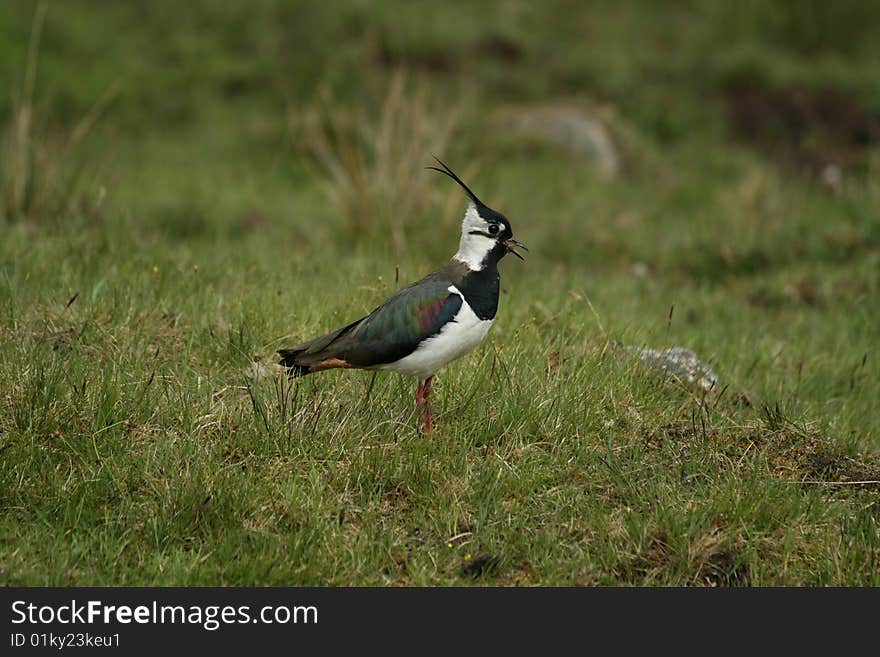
point(494, 228)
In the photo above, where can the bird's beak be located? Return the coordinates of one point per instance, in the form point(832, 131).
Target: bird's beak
point(510, 243)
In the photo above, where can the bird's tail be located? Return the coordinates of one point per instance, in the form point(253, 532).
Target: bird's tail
point(316, 355)
point(289, 361)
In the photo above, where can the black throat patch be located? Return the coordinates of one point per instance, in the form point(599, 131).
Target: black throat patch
point(480, 290)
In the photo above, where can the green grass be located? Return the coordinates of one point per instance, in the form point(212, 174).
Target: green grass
point(134, 451)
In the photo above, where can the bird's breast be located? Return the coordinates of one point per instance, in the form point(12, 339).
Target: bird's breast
point(480, 291)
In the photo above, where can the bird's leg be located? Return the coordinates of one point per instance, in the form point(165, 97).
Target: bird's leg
point(427, 422)
point(427, 392)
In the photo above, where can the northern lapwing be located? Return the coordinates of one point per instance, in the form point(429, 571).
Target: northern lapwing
point(430, 323)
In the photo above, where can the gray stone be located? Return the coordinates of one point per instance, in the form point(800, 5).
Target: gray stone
point(570, 126)
point(679, 363)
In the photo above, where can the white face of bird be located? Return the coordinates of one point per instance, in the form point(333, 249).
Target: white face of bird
point(482, 230)
point(476, 240)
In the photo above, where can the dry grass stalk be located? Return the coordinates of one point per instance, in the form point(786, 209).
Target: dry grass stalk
point(38, 170)
point(374, 160)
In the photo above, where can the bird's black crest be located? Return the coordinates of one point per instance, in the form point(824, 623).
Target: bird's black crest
point(449, 172)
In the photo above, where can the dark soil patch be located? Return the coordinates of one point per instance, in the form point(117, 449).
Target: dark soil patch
point(813, 458)
point(680, 433)
point(824, 465)
point(716, 560)
point(60, 339)
point(713, 559)
point(824, 133)
point(480, 566)
point(655, 557)
point(432, 61)
point(724, 568)
point(500, 47)
point(791, 453)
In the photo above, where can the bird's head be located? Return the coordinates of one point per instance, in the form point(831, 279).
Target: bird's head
point(485, 233)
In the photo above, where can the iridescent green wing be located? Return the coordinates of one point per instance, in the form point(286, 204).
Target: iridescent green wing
point(396, 328)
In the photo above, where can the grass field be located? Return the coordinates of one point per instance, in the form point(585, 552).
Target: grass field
point(187, 187)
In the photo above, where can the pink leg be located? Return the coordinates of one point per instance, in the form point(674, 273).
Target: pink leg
point(427, 422)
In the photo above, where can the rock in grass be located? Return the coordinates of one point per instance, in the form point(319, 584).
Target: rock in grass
point(570, 126)
point(679, 363)
point(257, 370)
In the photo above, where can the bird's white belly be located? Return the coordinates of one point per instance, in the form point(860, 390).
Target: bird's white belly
point(455, 339)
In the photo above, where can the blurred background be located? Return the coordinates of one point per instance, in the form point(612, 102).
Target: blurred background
point(174, 102)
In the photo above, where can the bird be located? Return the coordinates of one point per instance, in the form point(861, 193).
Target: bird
point(429, 323)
